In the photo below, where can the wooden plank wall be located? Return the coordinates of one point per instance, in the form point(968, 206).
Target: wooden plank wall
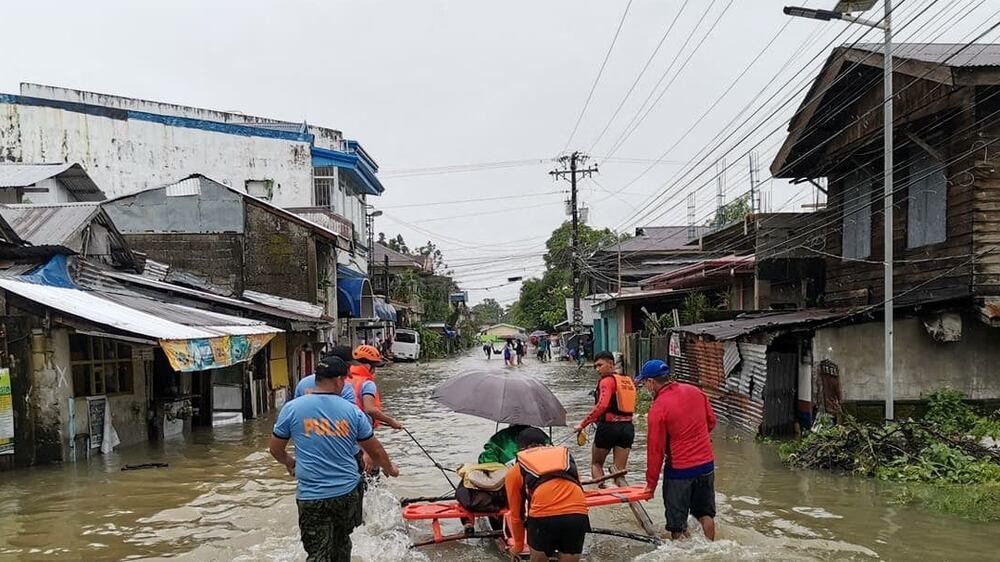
point(935, 272)
point(986, 218)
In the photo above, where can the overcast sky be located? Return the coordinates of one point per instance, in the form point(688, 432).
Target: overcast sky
point(428, 85)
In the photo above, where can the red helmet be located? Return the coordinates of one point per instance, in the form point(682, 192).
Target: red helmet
point(369, 355)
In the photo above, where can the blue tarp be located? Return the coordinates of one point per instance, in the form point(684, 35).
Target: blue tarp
point(53, 274)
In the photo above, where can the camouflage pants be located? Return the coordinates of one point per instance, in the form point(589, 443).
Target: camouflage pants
point(326, 526)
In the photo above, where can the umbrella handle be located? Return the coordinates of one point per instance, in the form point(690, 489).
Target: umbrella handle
point(437, 464)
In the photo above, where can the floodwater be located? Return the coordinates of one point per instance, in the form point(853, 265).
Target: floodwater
point(223, 498)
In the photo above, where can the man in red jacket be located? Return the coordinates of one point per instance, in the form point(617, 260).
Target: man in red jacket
point(681, 418)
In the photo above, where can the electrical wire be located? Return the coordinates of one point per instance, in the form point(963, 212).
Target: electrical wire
point(638, 77)
point(597, 79)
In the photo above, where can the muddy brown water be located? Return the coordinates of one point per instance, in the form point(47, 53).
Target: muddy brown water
point(224, 498)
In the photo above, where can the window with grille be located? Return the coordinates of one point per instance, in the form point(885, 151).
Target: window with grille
point(100, 366)
point(927, 202)
point(857, 222)
point(324, 181)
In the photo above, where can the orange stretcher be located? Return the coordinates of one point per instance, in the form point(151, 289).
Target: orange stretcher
point(437, 511)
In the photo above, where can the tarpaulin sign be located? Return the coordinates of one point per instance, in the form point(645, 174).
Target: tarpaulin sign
point(675, 345)
point(212, 353)
point(6, 414)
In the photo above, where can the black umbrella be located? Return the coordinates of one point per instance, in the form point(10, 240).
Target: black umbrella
point(502, 397)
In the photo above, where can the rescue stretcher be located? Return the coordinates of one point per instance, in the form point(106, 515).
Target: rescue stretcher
point(481, 525)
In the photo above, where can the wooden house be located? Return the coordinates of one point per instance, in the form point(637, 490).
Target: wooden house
point(946, 217)
point(946, 184)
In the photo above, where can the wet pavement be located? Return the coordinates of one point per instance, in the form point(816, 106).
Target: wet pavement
point(223, 498)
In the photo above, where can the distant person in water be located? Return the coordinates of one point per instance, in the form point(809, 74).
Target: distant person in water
point(508, 354)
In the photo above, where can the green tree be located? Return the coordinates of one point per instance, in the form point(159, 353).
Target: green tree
point(487, 312)
point(731, 212)
point(693, 308)
point(542, 302)
point(434, 295)
point(430, 250)
point(397, 244)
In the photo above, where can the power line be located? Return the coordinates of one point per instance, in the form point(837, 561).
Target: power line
point(476, 200)
point(597, 79)
point(627, 132)
point(638, 77)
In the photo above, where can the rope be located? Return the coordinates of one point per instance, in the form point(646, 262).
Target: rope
point(443, 470)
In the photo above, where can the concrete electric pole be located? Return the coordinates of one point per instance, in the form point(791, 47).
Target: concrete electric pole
point(571, 167)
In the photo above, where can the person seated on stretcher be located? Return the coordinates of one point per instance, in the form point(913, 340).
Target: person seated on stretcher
point(482, 487)
point(502, 446)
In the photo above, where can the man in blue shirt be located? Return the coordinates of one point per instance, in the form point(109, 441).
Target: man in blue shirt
point(308, 384)
point(325, 429)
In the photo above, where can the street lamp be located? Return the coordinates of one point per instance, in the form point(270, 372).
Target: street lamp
point(842, 12)
point(370, 226)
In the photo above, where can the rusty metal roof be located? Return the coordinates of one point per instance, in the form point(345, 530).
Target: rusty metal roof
point(49, 225)
point(748, 324)
point(949, 54)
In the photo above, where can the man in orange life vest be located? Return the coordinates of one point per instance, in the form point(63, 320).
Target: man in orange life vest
point(616, 397)
point(368, 357)
point(556, 517)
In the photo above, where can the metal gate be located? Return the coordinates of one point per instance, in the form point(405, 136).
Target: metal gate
point(780, 393)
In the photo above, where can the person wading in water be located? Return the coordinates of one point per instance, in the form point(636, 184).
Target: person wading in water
point(615, 404)
point(681, 420)
point(325, 429)
point(556, 517)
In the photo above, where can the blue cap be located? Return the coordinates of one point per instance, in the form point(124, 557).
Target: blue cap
point(653, 369)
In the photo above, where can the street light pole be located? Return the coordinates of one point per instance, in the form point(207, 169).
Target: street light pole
point(888, 206)
point(887, 66)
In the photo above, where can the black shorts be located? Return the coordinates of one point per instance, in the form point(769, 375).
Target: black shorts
point(559, 533)
point(614, 434)
point(688, 495)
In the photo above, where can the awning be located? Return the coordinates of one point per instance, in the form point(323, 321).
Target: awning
point(193, 339)
point(355, 298)
point(384, 310)
point(356, 164)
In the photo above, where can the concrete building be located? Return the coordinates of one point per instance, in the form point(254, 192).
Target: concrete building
point(127, 145)
point(242, 244)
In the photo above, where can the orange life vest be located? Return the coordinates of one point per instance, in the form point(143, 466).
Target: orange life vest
point(541, 464)
point(623, 401)
point(359, 375)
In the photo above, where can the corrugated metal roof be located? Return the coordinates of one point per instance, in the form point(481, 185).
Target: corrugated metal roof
point(744, 325)
point(25, 175)
point(661, 239)
point(49, 225)
point(396, 259)
point(140, 316)
point(155, 270)
point(211, 297)
point(71, 175)
point(289, 305)
point(950, 54)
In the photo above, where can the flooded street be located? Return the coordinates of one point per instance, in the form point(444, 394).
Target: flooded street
point(223, 498)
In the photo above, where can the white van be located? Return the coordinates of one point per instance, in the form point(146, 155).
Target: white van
point(406, 345)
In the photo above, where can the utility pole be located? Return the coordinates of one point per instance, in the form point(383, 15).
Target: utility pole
point(692, 228)
point(571, 167)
